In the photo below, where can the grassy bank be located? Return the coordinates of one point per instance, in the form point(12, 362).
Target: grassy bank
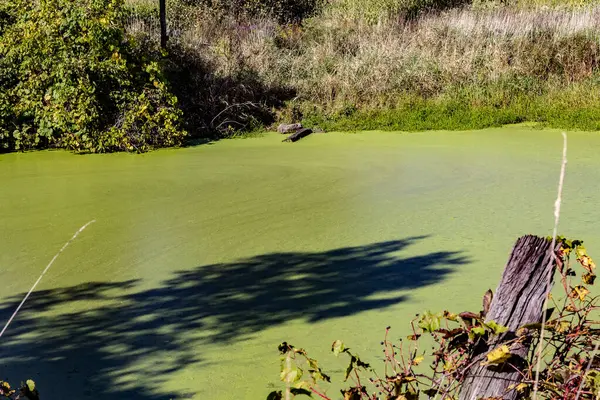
point(89, 75)
point(381, 65)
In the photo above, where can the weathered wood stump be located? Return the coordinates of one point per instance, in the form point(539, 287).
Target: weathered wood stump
point(518, 301)
point(287, 128)
point(298, 135)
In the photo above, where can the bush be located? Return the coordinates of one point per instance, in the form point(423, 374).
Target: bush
point(284, 11)
point(69, 77)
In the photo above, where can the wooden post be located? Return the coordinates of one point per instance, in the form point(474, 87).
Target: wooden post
point(163, 22)
point(518, 301)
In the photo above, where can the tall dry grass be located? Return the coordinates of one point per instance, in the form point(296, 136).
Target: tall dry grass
point(338, 63)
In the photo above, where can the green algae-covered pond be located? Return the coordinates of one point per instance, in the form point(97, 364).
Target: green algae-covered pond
point(202, 260)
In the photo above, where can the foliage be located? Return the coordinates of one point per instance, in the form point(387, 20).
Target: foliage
point(570, 335)
point(220, 105)
point(284, 11)
point(377, 10)
point(87, 75)
point(568, 108)
point(459, 69)
point(69, 77)
point(374, 11)
point(568, 4)
point(27, 390)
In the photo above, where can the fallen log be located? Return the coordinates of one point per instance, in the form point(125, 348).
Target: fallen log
point(299, 134)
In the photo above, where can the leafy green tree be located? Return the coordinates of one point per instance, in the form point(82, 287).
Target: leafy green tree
point(70, 77)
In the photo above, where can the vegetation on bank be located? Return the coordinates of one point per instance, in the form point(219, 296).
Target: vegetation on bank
point(89, 75)
point(70, 77)
point(358, 65)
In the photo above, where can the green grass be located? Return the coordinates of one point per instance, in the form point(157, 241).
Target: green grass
point(421, 116)
point(575, 107)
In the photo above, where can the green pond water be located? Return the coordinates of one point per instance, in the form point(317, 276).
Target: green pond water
point(202, 260)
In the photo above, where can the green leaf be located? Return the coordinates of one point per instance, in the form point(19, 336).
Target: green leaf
point(337, 347)
point(478, 330)
point(348, 371)
point(593, 381)
point(580, 251)
point(562, 326)
point(579, 292)
point(317, 375)
point(496, 328)
point(429, 322)
point(499, 355)
point(30, 385)
point(290, 372)
point(418, 360)
point(450, 316)
point(522, 387)
point(535, 326)
point(350, 367)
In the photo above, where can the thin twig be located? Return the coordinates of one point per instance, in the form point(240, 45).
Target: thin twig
point(440, 387)
point(557, 204)
point(40, 278)
point(247, 103)
point(321, 395)
point(230, 121)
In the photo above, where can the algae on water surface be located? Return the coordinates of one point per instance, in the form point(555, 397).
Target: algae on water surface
point(204, 259)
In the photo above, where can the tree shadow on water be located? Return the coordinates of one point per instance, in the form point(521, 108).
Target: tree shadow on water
point(107, 340)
